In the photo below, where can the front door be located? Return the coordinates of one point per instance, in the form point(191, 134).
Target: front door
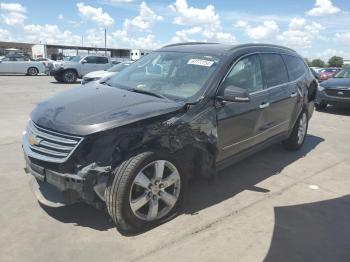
point(240, 124)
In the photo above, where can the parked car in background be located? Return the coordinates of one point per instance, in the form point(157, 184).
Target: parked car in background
point(97, 75)
point(328, 73)
point(317, 69)
point(130, 143)
point(70, 71)
point(21, 65)
point(334, 91)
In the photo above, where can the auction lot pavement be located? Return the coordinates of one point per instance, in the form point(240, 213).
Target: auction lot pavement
point(273, 206)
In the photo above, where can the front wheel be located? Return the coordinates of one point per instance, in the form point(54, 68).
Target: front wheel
point(69, 76)
point(146, 190)
point(297, 137)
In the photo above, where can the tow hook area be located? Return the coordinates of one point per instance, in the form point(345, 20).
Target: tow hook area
point(49, 195)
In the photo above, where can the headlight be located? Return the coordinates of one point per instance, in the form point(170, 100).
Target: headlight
point(320, 88)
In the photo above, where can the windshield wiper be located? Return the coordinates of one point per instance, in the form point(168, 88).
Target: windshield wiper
point(146, 92)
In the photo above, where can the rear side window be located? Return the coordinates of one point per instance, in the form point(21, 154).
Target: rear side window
point(91, 59)
point(275, 71)
point(102, 60)
point(296, 66)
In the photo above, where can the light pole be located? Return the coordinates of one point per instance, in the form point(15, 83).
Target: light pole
point(105, 41)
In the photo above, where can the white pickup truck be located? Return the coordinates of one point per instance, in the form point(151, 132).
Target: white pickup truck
point(77, 67)
point(21, 65)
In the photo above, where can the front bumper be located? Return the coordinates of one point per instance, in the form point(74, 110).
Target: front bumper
point(337, 99)
point(56, 71)
point(71, 187)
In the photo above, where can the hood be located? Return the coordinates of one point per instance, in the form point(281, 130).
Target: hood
point(336, 83)
point(99, 74)
point(94, 108)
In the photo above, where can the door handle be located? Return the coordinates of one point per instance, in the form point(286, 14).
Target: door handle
point(294, 94)
point(264, 105)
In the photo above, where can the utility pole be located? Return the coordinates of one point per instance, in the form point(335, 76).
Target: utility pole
point(105, 41)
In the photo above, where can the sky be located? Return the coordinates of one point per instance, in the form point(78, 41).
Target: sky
point(314, 28)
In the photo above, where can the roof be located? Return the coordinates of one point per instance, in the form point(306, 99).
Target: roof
point(219, 49)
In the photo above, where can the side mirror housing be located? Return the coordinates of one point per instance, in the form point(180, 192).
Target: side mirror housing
point(234, 94)
point(84, 61)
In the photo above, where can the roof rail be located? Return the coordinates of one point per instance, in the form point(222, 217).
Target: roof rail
point(266, 45)
point(189, 43)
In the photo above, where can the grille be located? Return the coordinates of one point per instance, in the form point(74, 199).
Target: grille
point(49, 145)
point(338, 92)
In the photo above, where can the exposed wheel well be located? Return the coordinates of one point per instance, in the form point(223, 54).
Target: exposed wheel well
point(312, 91)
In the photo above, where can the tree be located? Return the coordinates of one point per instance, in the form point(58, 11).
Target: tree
point(307, 61)
point(318, 63)
point(336, 61)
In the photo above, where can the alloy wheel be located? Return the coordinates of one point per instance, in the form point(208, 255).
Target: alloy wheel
point(155, 190)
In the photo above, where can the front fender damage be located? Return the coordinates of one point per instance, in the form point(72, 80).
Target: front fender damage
point(191, 139)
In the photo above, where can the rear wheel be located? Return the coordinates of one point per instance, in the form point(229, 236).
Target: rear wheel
point(32, 71)
point(146, 190)
point(297, 137)
point(69, 76)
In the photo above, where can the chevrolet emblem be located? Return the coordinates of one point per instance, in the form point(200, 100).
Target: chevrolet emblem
point(33, 140)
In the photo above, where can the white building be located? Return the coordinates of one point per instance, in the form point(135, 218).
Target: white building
point(138, 53)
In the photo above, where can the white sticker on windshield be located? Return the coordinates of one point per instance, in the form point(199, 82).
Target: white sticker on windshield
point(200, 62)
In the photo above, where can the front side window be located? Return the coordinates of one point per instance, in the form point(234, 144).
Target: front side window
point(296, 66)
point(246, 74)
point(275, 71)
point(176, 75)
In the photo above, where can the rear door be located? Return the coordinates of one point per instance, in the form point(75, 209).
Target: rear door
point(240, 123)
point(90, 65)
point(102, 63)
point(281, 94)
point(6, 65)
point(20, 65)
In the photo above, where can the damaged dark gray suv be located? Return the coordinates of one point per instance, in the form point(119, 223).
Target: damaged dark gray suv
point(187, 110)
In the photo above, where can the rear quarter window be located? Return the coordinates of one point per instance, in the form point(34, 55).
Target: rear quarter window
point(274, 69)
point(295, 65)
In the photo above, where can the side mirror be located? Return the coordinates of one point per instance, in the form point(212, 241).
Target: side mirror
point(84, 61)
point(235, 94)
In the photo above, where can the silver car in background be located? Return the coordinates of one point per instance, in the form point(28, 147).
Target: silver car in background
point(21, 65)
point(97, 75)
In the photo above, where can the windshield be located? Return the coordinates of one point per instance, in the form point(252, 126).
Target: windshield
point(72, 58)
point(119, 67)
point(345, 73)
point(178, 76)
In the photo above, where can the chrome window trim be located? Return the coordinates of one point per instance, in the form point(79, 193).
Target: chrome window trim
point(266, 88)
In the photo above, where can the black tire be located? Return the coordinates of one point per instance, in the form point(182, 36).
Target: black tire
point(32, 71)
point(120, 189)
point(58, 79)
point(293, 142)
point(69, 76)
point(321, 106)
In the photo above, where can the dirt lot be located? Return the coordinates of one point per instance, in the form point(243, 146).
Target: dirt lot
point(274, 206)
